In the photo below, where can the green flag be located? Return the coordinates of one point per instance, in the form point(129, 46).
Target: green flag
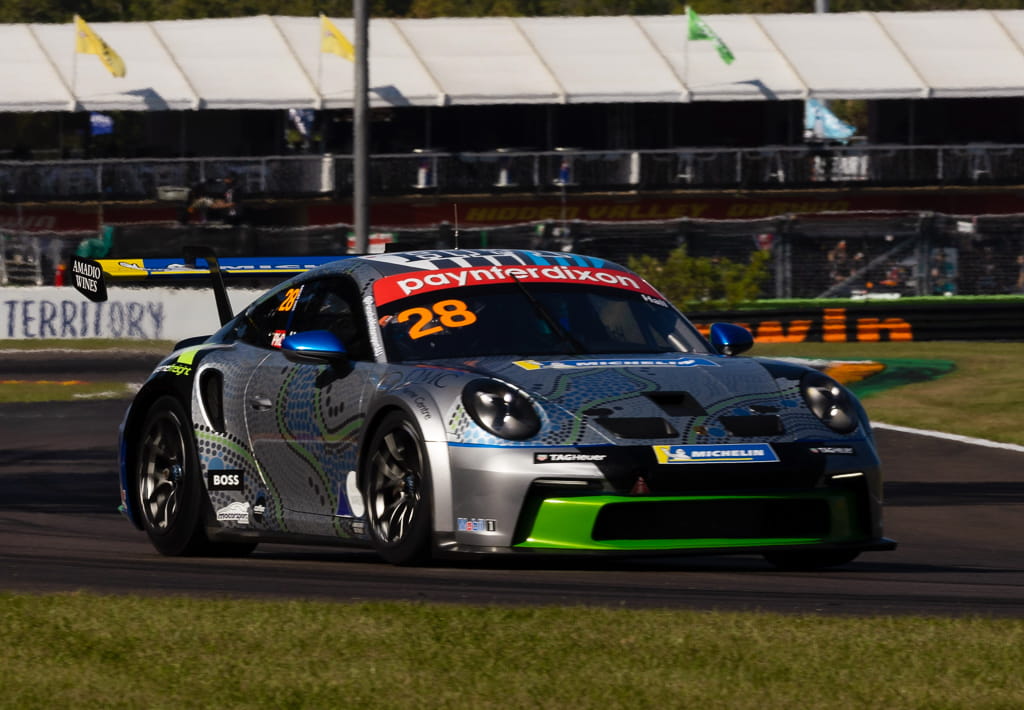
point(699, 29)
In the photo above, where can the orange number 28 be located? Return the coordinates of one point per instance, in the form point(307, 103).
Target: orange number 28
point(450, 314)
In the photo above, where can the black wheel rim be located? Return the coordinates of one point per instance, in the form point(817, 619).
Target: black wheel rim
point(162, 471)
point(395, 489)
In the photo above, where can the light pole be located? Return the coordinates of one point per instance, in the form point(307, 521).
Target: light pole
point(361, 129)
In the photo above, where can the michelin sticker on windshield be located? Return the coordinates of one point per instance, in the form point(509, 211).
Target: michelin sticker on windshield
point(715, 453)
point(623, 362)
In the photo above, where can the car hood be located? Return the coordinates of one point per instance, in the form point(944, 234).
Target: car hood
point(651, 398)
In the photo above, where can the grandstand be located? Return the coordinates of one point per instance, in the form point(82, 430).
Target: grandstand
point(581, 130)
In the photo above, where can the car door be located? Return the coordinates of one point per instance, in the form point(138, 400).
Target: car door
point(304, 420)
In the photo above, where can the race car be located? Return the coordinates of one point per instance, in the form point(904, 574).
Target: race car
point(446, 403)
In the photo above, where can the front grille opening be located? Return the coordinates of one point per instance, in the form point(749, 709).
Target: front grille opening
point(639, 427)
point(713, 519)
point(754, 425)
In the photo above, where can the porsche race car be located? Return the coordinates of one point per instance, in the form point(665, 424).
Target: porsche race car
point(434, 404)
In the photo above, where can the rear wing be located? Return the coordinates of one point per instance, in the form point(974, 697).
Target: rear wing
point(90, 276)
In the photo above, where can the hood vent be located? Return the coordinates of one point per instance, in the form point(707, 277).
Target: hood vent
point(639, 427)
point(677, 404)
point(757, 425)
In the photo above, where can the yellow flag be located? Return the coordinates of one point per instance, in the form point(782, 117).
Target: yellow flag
point(88, 42)
point(333, 41)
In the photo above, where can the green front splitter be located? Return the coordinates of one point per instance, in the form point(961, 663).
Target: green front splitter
point(567, 524)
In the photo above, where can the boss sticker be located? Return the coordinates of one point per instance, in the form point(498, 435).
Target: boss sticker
point(224, 480)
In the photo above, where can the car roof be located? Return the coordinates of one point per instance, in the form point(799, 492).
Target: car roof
point(370, 267)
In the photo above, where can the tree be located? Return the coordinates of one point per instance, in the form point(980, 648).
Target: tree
point(704, 282)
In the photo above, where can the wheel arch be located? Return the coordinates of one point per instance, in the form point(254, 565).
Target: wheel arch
point(129, 434)
point(435, 441)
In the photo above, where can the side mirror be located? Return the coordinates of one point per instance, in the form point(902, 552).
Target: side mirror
point(730, 339)
point(315, 347)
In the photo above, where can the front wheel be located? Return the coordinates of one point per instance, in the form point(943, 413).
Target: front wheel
point(169, 488)
point(167, 481)
point(398, 492)
point(810, 559)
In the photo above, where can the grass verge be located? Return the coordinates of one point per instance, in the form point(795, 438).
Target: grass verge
point(86, 651)
point(981, 397)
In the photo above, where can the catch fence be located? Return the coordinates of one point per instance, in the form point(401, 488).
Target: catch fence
point(817, 255)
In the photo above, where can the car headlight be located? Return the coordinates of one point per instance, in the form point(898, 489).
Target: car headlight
point(830, 402)
point(501, 409)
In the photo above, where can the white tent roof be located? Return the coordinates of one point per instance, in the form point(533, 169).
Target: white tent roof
point(275, 62)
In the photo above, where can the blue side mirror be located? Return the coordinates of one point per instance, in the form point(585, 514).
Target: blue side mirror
point(730, 339)
point(315, 347)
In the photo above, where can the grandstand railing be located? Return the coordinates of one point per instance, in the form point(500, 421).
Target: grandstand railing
point(511, 170)
point(823, 255)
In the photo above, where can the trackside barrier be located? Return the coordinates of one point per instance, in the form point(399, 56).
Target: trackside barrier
point(28, 313)
point(48, 312)
point(893, 321)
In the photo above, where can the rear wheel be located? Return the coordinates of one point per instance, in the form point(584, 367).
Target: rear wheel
point(810, 559)
point(169, 487)
point(398, 492)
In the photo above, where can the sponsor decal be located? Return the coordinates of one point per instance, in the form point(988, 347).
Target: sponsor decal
point(260, 506)
point(66, 318)
point(834, 450)
point(277, 337)
point(87, 276)
point(476, 524)
point(392, 288)
point(656, 301)
point(237, 512)
point(568, 457)
point(621, 362)
point(225, 480)
point(175, 368)
point(350, 500)
point(715, 453)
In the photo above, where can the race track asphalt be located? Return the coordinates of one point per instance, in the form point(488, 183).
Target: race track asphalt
point(956, 509)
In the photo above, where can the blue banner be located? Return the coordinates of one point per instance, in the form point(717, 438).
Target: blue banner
point(822, 124)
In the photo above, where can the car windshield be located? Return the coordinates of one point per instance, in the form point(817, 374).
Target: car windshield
point(532, 319)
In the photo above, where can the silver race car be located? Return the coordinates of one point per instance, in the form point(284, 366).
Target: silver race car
point(467, 402)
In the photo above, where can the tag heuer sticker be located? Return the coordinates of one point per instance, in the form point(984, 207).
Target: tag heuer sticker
point(834, 450)
point(568, 457)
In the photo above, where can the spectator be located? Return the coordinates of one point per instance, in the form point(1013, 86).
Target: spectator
point(217, 199)
point(943, 274)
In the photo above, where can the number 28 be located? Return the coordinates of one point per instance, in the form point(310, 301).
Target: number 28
point(451, 314)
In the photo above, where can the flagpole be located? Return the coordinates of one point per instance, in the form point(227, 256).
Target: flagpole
point(686, 58)
point(320, 62)
point(361, 129)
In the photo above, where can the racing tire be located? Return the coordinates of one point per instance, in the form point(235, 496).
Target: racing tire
point(168, 486)
point(807, 560)
point(398, 492)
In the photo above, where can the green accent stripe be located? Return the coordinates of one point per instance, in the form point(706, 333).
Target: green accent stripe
point(188, 355)
point(566, 524)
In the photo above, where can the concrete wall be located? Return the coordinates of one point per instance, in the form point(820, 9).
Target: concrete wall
point(49, 312)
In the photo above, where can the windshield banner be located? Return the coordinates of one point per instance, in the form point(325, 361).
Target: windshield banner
point(393, 288)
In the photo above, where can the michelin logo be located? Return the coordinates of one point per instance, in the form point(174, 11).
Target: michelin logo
point(622, 362)
point(713, 453)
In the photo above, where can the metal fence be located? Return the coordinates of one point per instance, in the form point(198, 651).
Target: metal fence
point(812, 255)
point(518, 170)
